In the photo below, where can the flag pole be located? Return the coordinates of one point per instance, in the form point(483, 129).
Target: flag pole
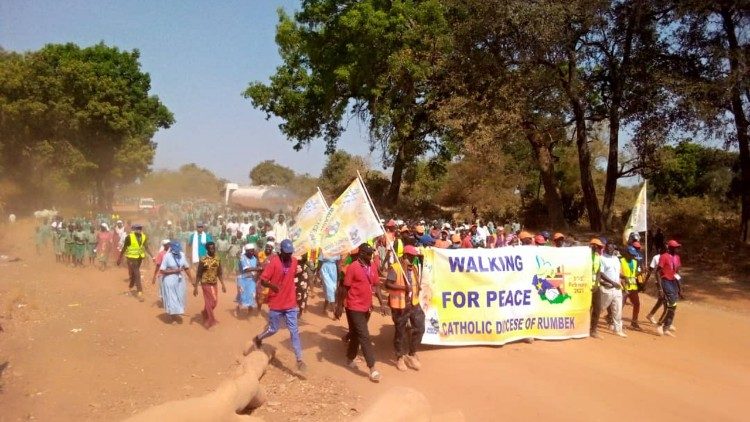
point(645, 200)
point(320, 192)
point(369, 199)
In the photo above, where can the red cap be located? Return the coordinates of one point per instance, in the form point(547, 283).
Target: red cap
point(410, 250)
point(540, 240)
point(390, 223)
point(637, 245)
point(673, 244)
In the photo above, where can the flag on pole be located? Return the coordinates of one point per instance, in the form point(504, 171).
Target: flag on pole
point(349, 222)
point(638, 221)
point(302, 234)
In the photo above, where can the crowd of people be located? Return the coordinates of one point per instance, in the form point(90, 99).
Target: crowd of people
point(254, 250)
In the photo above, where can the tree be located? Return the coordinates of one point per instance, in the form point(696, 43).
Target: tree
point(190, 181)
point(83, 115)
point(269, 173)
point(339, 171)
point(709, 49)
point(370, 58)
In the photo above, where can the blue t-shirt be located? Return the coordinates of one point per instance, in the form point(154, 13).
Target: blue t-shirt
point(246, 263)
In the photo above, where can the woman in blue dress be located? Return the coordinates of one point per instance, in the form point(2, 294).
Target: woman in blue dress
point(246, 280)
point(174, 286)
point(329, 274)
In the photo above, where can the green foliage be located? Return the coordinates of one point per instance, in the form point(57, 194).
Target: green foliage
point(339, 171)
point(371, 58)
point(188, 182)
point(79, 116)
point(689, 169)
point(268, 172)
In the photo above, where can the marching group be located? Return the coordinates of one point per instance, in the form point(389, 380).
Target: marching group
point(268, 271)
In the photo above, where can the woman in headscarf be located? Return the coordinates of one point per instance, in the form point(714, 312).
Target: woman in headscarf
point(103, 245)
point(173, 285)
point(329, 274)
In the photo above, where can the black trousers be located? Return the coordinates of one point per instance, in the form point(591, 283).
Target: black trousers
point(359, 335)
point(409, 325)
point(134, 272)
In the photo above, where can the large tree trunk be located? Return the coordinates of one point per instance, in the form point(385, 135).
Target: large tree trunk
point(398, 172)
point(610, 184)
point(584, 163)
point(740, 121)
point(546, 165)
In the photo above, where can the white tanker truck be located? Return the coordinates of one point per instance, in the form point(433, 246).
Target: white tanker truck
point(269, 198)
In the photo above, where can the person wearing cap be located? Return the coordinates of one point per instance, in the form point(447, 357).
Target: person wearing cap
point(610, 288)
point(660, 303)
point(208, 275)
point(197, 243)
point(629, 271)
point(135, 249)
point(596, 254)
point(157, 267)
point(443, 242)
point(526, 238)
point(455, 241)
point(360, 279)
point(393, 243)
point(278, 276)
point(539, 240)
point(558, 239)
point(669, 274)
point(403, 285)
point(173, 285)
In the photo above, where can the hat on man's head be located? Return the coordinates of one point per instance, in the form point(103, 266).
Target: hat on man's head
point(165, 242)
point(411, 250)
point(365, 248)
point(287, 246)
point(673, 244)
point(249, 246)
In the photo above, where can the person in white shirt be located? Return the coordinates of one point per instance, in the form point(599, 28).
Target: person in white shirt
point(280, 229)
point(245, 226)
point(610, 287)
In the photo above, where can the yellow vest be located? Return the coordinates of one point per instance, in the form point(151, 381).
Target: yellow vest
point(629, 273)
point(136, 250)
point(597, 264)
point(397, 298)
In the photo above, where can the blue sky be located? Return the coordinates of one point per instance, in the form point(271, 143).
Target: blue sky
point(201, 55)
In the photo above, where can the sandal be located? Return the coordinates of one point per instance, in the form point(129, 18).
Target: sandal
point(375, 376)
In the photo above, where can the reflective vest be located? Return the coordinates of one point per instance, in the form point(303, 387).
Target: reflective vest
point(629, 270)
point(597, 264)
point(397, 298)
point(136, 250)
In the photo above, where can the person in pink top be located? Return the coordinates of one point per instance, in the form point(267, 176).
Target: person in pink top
point(669, 274)
point(103, 245)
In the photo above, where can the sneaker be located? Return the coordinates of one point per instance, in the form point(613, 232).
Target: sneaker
point(621, 334)
point(301, 367)
point(669, 333)
point(672, 328)
point(140, 297)
point(401, 364)
point(651, 319)
point(635, 326)
point(374, 375)
point(595, 334)
point(351, 364)
point(660, 330)
point(413, 362)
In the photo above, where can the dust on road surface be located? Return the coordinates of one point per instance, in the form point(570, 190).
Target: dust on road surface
point(75, 346)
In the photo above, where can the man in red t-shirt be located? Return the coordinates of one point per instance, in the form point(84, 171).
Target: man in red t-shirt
point(360, 279)
point(669, 268)
point(278, 277)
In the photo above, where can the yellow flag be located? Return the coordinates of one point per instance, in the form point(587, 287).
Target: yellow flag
point(305, 224)
point(638, 221)
point(349, 222)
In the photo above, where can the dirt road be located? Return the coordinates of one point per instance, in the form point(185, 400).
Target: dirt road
point(76, 347)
